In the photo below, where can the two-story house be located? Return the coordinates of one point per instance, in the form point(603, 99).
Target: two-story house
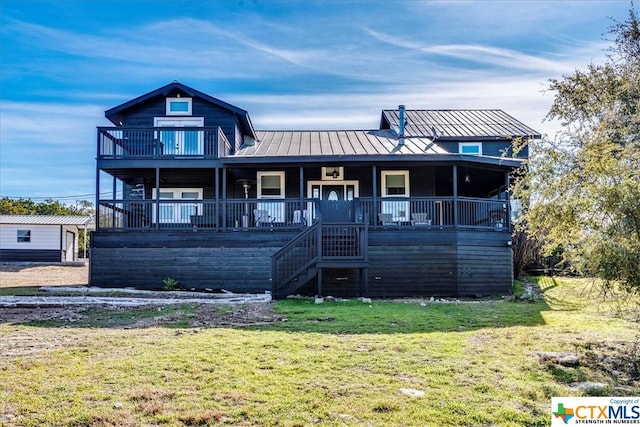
point(189, 190)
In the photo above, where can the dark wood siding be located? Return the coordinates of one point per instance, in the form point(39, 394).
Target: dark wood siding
point(143, 115)
point(235, 261)
point(402, 262)
point(34, 255)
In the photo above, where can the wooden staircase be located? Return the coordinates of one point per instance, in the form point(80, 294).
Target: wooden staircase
point(322, 245)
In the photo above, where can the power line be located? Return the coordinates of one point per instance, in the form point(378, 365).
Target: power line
point(61, 197)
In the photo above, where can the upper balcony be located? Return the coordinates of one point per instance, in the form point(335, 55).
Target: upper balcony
point(162, 143)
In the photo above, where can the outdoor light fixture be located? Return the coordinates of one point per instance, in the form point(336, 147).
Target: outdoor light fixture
point(467, 178)
point(335, 174)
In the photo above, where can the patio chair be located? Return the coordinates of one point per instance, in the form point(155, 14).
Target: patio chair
point(299, 217)
point(261, 217)
point(420, 219)
point(386, 219)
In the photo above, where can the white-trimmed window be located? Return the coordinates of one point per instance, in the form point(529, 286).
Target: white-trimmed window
point(395, 184)
point(179, 106)
point(271, 185)
point(24, 236)
point(175, 205)
point(474, 148)
point(330, 173)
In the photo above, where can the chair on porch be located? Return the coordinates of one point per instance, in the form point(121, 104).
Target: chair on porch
point(420, 218)
point(386, 219)
point(261, 217)
point(299, 217)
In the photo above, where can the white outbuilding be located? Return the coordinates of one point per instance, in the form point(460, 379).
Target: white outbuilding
point(43, 238)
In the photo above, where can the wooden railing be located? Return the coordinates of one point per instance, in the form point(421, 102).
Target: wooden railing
point(296, 257)
point(420, 213)
point(161, 142)
point(295, 263)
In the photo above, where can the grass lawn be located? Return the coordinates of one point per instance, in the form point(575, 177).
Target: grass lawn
point(339, 363)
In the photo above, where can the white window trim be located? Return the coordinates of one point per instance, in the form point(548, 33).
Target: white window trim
point(470, 144)
point(326, 177)
point(179, 113)
point(176, 215)
point(271, 173)
point(384, 175)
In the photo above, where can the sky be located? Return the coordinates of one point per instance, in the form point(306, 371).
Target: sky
point(290, 64)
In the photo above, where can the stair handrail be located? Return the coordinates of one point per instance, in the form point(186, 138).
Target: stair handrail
point(281, 273)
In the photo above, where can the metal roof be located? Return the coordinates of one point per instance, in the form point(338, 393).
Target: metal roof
point(457, 124)
point(335, 143)
point(47, 220)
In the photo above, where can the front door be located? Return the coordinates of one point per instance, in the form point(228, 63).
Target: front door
point(333, 206)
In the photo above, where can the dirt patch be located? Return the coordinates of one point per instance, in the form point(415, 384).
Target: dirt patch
point(110, 316)
point(14, 275)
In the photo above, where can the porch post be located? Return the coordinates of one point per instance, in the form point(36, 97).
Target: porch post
point(97, 198)
point(157, 206)
point(216, 210)
point(374, 208)
point(113, 197)
point(302, 216)
point(507, 195)
point(224, 198)
point(456, 220)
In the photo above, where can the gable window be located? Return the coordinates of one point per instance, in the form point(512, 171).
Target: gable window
point(179, 106)
point(270, 185)
point(395, 183)
point(24, 236)
point(470, 148)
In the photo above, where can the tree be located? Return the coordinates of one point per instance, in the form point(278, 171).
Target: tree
point(584, 186)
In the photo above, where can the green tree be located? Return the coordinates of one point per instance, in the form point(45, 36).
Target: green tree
point(584, 186)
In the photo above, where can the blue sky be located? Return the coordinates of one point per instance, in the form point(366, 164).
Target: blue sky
point(291, 64)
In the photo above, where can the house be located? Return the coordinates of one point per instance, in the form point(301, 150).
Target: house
point(42, 238)
point(190, 190)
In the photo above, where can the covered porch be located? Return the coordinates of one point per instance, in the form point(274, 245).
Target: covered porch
point(457, 196)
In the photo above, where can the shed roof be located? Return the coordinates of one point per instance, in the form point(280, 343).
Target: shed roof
point(458, 124)
point(48, 220)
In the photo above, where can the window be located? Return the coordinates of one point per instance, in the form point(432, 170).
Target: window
point(332, 173)
point(179, 106)
point(470, 148)
point(395, 183)
point(177, 206)
point(270, 185)
point(24, 236)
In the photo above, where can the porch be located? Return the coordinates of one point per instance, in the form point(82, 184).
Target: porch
point(256, 215)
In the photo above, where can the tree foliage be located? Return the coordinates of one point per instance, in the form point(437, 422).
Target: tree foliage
point(48, 207)
point(584, 186)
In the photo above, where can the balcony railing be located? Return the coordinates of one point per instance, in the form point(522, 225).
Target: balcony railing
point(288, 214)
point(161, 142)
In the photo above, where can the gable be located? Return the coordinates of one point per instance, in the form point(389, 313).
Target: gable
point(141, 110)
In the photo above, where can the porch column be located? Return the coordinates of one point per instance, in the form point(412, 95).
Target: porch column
point(455, 197)
point(302, 209)
point(374, 208)
point(97, 198)
point(157, 206)
point(216, 210)
point(224, 198)
point(113, 197)
point(507, 195)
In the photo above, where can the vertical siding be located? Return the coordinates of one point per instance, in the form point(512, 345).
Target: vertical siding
point(42, 237)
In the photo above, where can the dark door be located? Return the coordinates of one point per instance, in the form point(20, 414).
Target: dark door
point(333, 207)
